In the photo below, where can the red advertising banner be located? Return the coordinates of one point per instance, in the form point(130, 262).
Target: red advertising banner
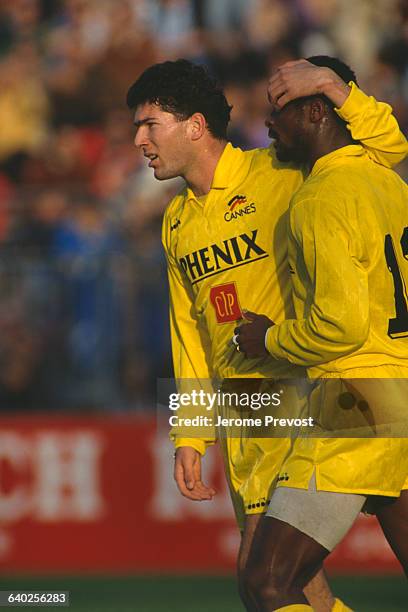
point(96, 494)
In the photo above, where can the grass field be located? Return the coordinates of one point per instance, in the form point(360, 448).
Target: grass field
point(197, 594)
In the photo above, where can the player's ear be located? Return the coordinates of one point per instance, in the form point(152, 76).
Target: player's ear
point(197, 126)
point(317, 110)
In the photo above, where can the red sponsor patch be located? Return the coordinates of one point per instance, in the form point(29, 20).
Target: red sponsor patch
point(224, 298)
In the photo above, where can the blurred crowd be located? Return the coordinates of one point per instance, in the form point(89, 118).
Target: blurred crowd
point(83, 295)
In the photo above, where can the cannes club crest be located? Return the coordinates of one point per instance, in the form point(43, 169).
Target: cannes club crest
point(239, 206)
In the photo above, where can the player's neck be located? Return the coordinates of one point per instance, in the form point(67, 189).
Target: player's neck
point(330, 142)
point(200, 174)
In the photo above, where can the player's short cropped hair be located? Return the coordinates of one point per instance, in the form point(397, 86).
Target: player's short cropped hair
point(339, 67)
point(183, 88)
point(342, 70)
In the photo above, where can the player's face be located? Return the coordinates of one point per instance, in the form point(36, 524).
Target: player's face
point(284, 127)
point(163, 140)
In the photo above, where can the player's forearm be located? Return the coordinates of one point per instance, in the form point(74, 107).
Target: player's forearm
point(333, 87)
point(373, 124)
point(302, 343)
point(301, 78)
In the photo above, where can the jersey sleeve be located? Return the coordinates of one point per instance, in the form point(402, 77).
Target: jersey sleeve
point(336, 312)
point(374, 125)
point(190, 345)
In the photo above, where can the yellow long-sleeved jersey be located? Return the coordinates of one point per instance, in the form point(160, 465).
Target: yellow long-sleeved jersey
point(228, 251)
point(348, 248)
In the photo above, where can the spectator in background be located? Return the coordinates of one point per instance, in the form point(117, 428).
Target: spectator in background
point(24, 106)
point(117, 161)
point(223, 16)
point(22, 19)
point(87, 250)
point(269, 23)
point(173, 24)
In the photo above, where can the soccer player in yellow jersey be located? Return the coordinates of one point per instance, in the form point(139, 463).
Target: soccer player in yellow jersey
point(348, 251)
point(226, 247)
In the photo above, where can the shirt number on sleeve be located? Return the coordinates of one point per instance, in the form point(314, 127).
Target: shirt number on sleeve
point(398, 326)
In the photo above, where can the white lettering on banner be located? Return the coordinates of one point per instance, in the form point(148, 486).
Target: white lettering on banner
point(56, 476)
point(15, 502)
point(167, 503)
point(68, 476)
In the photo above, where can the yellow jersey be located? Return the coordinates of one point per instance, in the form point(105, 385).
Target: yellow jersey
point(348, 250)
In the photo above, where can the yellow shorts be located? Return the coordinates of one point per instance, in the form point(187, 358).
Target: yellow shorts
point(252, 467)
point(372, 462)
point(252, 463)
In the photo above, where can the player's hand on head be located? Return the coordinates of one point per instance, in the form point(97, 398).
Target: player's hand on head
point(250, 337)
point(187, 474)
point(298, 79)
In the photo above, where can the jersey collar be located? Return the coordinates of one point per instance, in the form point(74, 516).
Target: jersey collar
point(232, 162)
point(349, 151)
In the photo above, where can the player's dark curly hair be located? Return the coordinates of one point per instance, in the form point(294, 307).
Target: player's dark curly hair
point(183, 88)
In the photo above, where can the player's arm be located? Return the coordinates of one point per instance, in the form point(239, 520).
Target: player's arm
point(190, 349)
point(337, 315)
point(369, 121)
